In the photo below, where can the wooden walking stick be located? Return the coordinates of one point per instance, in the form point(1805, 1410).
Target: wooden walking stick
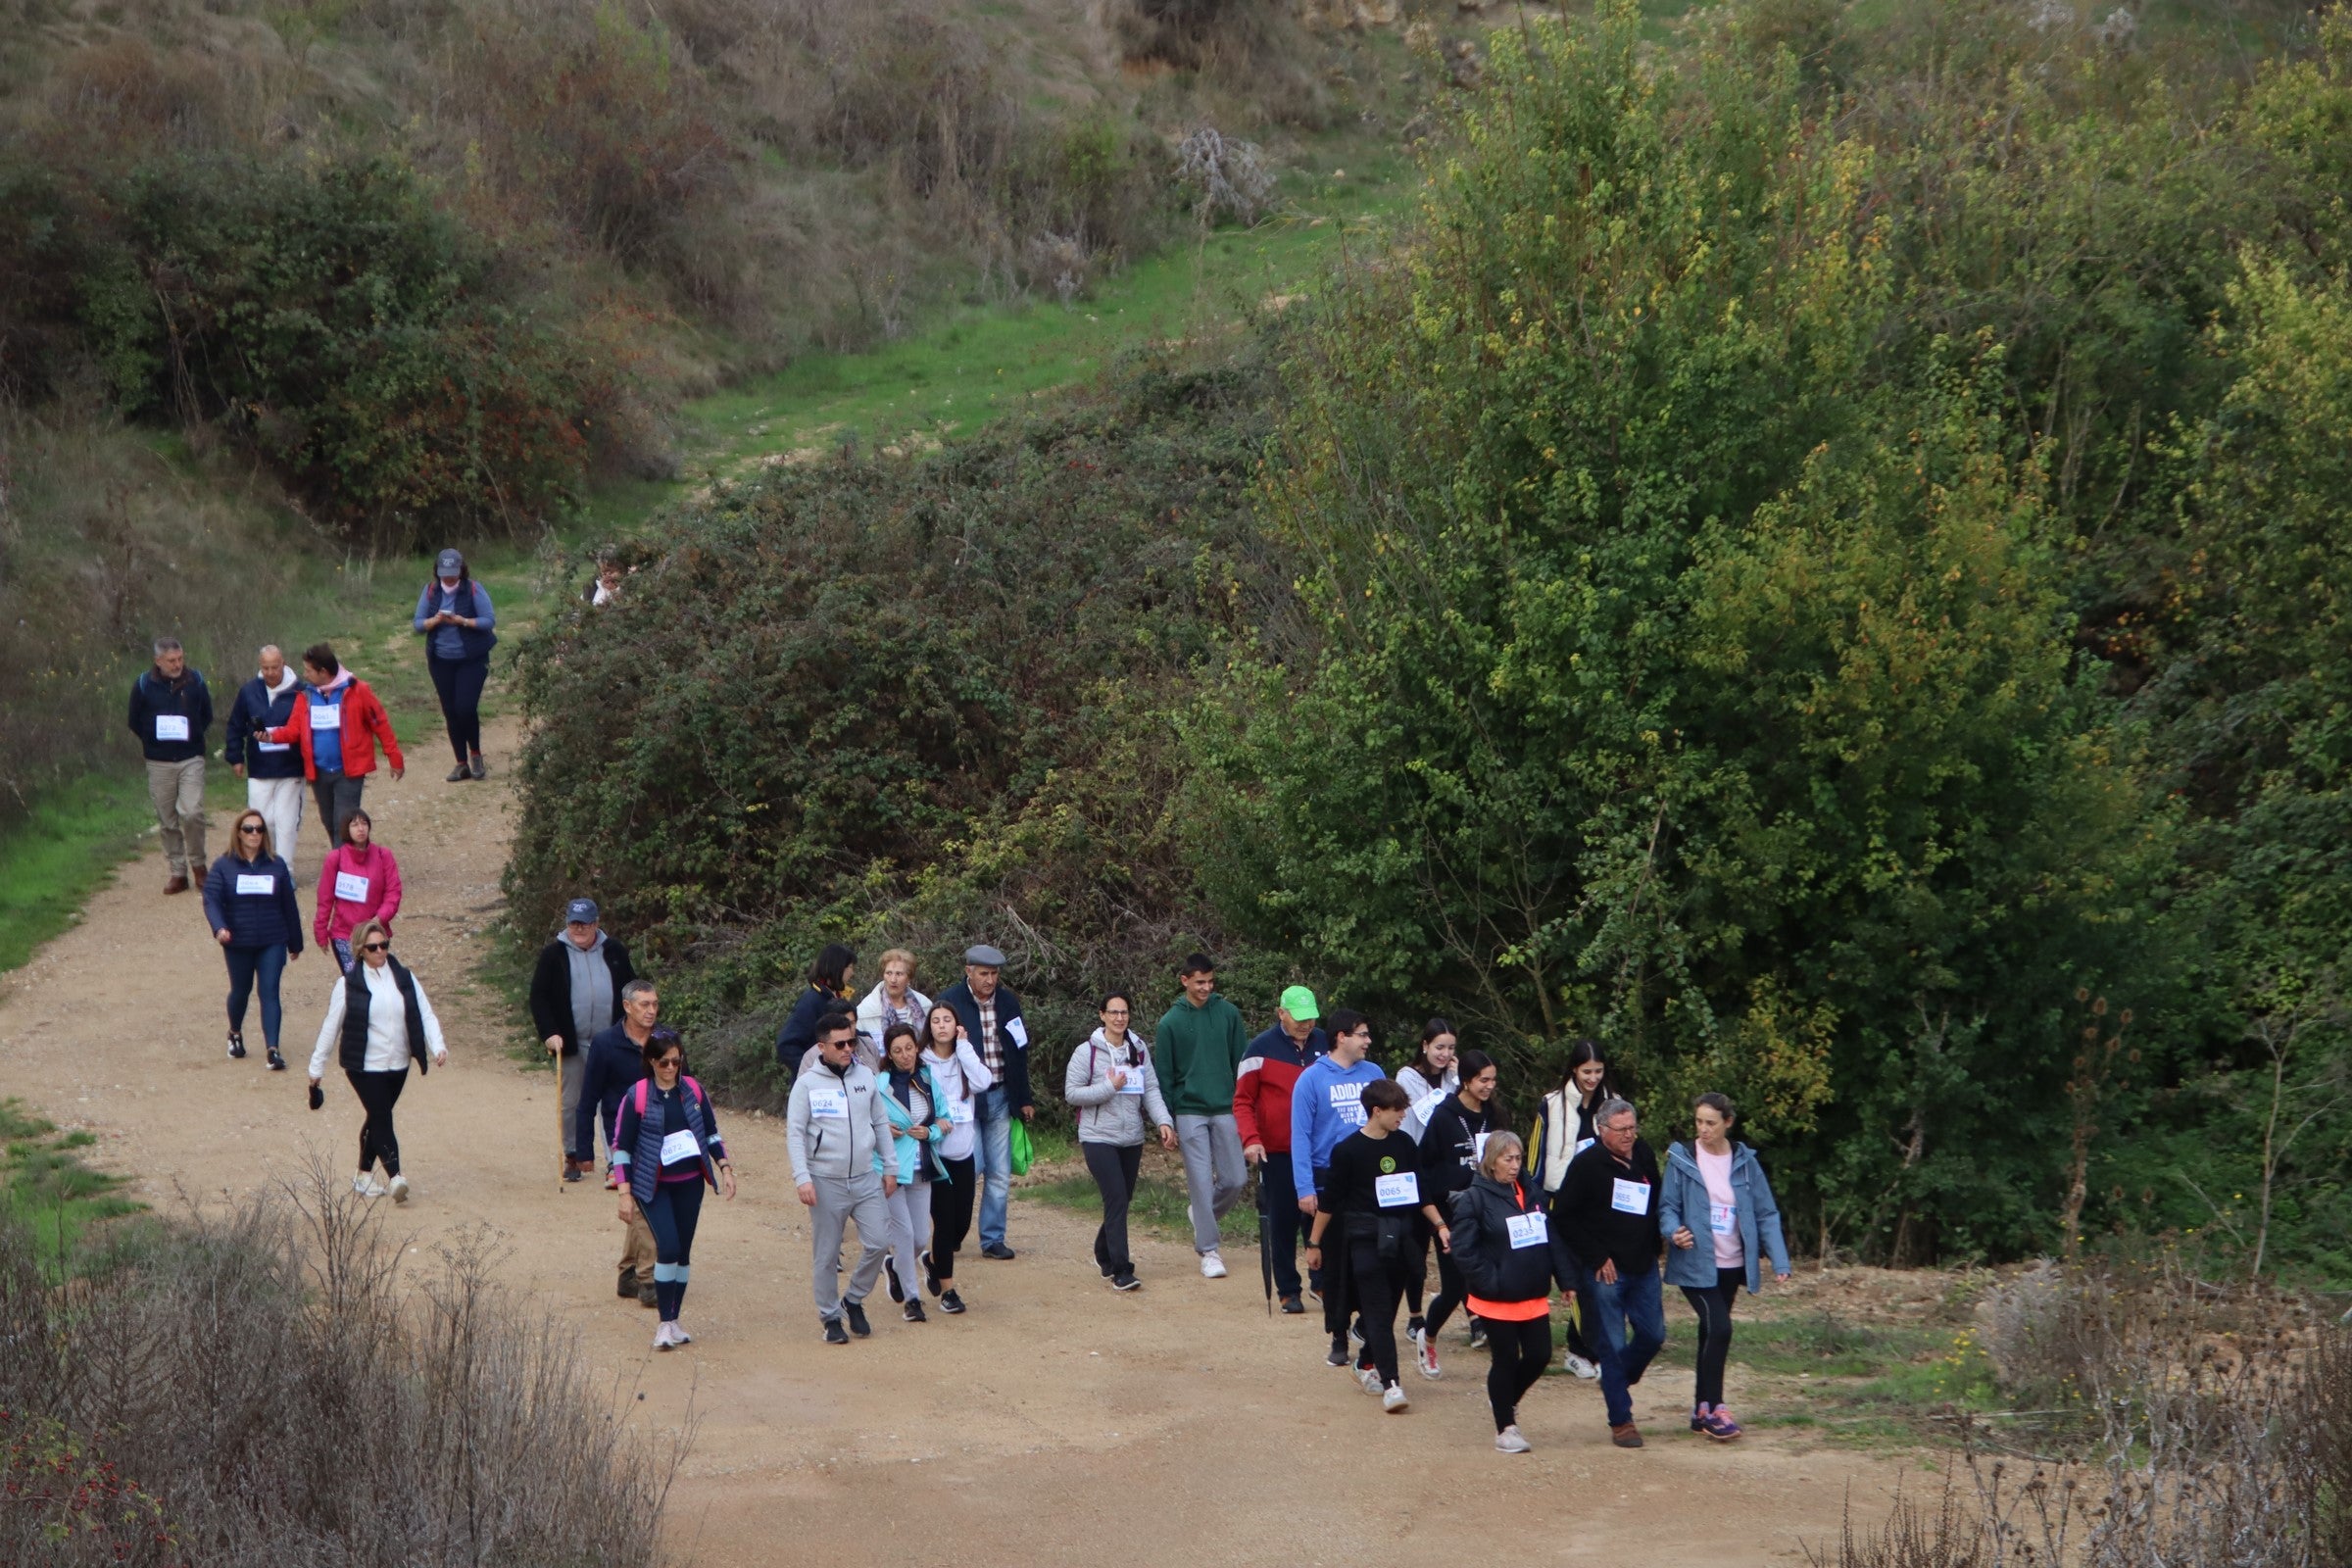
point(562, 1149)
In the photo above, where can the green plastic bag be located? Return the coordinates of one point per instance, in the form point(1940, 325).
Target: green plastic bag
point(1024, 1153)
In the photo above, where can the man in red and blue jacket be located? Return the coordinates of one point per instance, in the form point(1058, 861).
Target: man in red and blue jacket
point(1261, 1111)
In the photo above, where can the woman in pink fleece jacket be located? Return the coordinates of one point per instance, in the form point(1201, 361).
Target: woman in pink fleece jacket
point(360, 882)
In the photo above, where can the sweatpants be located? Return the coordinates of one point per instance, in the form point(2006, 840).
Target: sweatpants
point(279, 801)
point(1377, 1286)
point(459, 683)
point(177, 791)
point(1714, 1309)
point(1114, 1167)
point(839, 1201)
point(245, 967)
point(338, 796)
point(676, 1209)
point(1214, 1173)
point(952, 1199)
point(911, 1232)
point(379, 1092)
point(1519, 1350)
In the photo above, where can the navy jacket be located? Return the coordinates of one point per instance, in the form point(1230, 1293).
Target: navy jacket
point(478, 640)
point(1016, 1078)
point(610, 1066)
point(255, 708)
point(253, 920)
point(800, 1029)
point(187, 697)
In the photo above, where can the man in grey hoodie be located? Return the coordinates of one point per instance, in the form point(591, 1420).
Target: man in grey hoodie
point(836, 1130)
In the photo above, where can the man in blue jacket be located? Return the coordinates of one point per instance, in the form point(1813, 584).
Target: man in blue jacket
point(991, 1015)
point(171, 709)
point(1326, 1105)
point(271, 769)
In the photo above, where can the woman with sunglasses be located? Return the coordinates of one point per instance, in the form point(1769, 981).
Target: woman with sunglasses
point(377, 1020)
point(665, 1146)
point(249, 903)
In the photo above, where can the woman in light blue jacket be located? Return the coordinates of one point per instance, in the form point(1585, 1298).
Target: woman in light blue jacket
point(916, 1106)
point(1716, 1209)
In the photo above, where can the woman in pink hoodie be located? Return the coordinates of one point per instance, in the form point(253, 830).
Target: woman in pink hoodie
point(360, 882)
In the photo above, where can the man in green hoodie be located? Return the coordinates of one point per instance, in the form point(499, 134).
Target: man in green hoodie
point(1200, 1047)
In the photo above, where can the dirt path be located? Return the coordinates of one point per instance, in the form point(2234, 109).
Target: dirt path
point(1056, 1423)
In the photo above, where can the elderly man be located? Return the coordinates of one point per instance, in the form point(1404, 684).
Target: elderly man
point(837, 1131)
point(1605, 1242)
point(610, 1068)
point(1261, 1112)
point(271, 769)
point(991, 1015)
point(576, 996)
point(171, 709)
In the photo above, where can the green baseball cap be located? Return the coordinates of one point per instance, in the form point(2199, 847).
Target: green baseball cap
point(1299, 1003)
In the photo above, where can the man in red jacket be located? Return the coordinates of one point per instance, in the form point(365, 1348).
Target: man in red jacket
point(1262, 1110)
point(338, 723)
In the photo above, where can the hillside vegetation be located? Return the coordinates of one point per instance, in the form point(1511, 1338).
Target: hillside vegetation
point(1818, 561)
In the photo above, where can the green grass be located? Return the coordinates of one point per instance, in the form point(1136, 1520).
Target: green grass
point(51, 863)
point(45, 1186)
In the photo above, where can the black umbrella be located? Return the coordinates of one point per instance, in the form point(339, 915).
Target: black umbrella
point(1266, 1242)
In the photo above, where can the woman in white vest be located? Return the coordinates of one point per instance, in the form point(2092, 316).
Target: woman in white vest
point(1563, 1127)
point(377, 1022)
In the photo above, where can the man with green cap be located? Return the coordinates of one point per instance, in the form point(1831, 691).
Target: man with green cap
point(1261, 1113)
point(1200, 1047)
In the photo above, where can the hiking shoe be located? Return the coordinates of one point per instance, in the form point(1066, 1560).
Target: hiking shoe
point(1508, 1441)
point(1291, 1306)
point(366, 1185)
point(1582, 1367)
point(1126, 1282)
point(278, 1063)
point(458, 775)
point(1425, 1353)
point(1338, 1354)
point(998, 1250)
point(855, 1311)
point(914, 1313)
point(890, 1280)
point(1478, 1335)
point(835, 1333)
point(399, 1188)
point(628, 1285)
point(1369, 1378)
point(1720, 1425)
point(1626, 1436)
point(236, 1046)
point(930, 1278)
point(1212, 1267)
point(950, 1301)
point(1394, 1399)
point(177, 884)
point(648, 1294)
point(479, 768)
point(573, 1171)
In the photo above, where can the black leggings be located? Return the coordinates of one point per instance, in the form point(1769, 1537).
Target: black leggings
point(1114, 1169)
point(460, 682)
point(1519, 1351)
point(1377, 1286)
point(1451, 1288)
point(952, 1197)
point(1714, 1309)
point(379, 1092)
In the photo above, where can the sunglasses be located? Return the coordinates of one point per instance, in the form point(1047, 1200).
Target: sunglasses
point(252, 832)
point(374, 947)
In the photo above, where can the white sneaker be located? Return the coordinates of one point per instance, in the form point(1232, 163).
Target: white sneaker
point(1590, 1371)
point(662, 1337)
point(364, 1184)
point(1508, 1441)
point(399, 1188)
point(1394, 1400)
point(1212, 1267)
point(678, 1334)
point(1369, 1377)
point(1425, 1353)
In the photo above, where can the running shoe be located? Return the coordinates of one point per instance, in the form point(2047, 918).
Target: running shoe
point(278, 1063)
point(1478, 1335)
point(1369, 1377)
point(890, 1280)
point(914, 1313)
point(1583, 1366)
point(399, 1188)
point(1425, 1353)
point(366, 1185)
point(1394, 1399)
point(1338, 1354)
point(1355, 1331)
point(949, 1302)
point(1126, 1282)
point(1699, 1418)
point(1508, 1441)
point(478, 765)
point(1212, 1267)
point(1720, 1425)
point(662, 1339)
point(1291, 1306)
point(930, 1278)
point(236, 1046)
point(855, 1311)
point(678, 1334)
point(458, 775)
point(998, 1250)
point(835, 1333)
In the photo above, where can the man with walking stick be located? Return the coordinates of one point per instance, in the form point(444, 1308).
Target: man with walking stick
point(576, 996)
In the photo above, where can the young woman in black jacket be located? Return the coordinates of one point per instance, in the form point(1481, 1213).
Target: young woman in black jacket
point(1503, 1247)
point(1458, 1131)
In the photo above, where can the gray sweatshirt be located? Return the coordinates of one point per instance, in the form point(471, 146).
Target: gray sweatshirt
point(836, 1128)
point(1107, 1115)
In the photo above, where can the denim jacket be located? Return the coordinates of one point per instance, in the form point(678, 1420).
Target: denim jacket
point(1683, 1201)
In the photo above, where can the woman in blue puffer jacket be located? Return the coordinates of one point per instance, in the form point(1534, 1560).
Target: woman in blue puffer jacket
point(1717, 1212)
point(249, 903)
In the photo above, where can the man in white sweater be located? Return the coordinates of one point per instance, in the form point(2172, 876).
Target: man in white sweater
point(837, 1131)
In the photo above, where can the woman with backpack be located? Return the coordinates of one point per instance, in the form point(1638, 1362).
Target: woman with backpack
point(665, 1145)
point(1563, 1127)
point(454, 616)
point(916, 1106)
point(1111, 1084)
point(1503, 1247)
point(377, 1020)
point(963, 1077)
point(249, 903)
point(1717, 1212)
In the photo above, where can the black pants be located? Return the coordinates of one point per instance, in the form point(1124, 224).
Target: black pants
point(1451, 1288)
point(1114, 1170)
point(1377, 1283)
point(338, 796)
point(952, 1197)
point(1519, 1351)
point(1714, 1309)
point(1416, 1268)
point(379, 1092)
point(459, 681)
point(1278, 1194)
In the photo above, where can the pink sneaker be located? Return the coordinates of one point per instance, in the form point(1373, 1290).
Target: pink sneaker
point(1720, 1426)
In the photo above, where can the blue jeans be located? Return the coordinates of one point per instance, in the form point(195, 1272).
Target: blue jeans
point(245, 966)
point(995, 1150)
point(1609, 1312)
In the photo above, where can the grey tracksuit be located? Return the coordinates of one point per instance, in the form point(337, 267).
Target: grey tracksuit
point(839, 1137)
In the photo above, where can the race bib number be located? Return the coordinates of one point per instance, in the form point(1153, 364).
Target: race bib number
point(350, 889)
point(1724, 1217)
point(1427, 1103)
point(832, 1103)
point(1528, 1230)
point(171, 726)
point(960, 1112)
point(1347, 1104)
point(249, 885)
point(1135, 1082)
point(1478, 1147)
point(1630, 1198)
point(1401, 1191)
point(1019, 1032)
point(326, 716)
point(679, 1146)
point(1582, 1144)
point(273, 746)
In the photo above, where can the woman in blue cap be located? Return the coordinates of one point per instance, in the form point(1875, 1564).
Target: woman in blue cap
point(455, 618)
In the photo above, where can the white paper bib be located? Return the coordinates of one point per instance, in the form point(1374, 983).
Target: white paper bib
point(1401, 1191)
point(171, 726)
point(1630, 1198)
point(350, 889)
point(249, 885)
point(1528, 1230)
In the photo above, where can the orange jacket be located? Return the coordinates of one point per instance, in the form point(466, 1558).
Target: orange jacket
point(364, 717)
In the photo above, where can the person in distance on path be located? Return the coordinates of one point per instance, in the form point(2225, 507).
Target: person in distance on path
point(827, 990)
point(358, 881)
point(1372, 1195)
point(1604, 1236)
point(1115, 1089)
point(270, 769)
point(1201, 1044)
point(171, 709)
point(337, 725)
point(839, 1133)
point(1503, 1247)
point(377, 1019)
point(1261, 1114)
point(612, 1065)
point(1563, 1130)
point(1452, 1146)
point(249, 903)
point(915, 1104)
point(991, 1016)
point(1717, 1212)
point(1326, 1105)
point(576, 996)
point(454, 617)
point(963, 1078)
point(665, 1145)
